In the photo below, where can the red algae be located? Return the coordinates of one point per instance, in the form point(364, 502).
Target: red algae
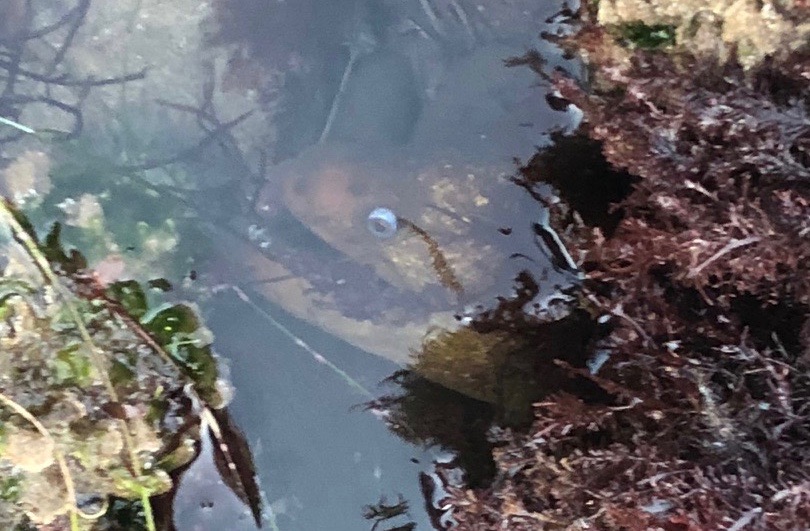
point(702, 279)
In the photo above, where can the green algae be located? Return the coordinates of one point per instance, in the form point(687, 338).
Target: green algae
point(109, 400)
point(649, 37)
point(10, 488)
point(72, 366)
point(99, 386)
point(745, 30)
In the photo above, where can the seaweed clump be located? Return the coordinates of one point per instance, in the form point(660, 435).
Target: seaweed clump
point(705, 284)
point(104, 396)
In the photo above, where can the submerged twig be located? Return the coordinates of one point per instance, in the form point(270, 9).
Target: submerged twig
point(16, 89)
point(362, 44)
point(79, 12)
point(66, 19)
point(730, 246)
point(72, 110)
point(188, 152)
point(210, 123)
point(66, 81)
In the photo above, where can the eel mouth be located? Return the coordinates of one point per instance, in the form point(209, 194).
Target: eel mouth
point(337, 281)
point(354, 290)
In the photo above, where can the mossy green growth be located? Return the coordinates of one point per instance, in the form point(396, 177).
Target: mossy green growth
point(131, 296)
point(67, 351)
point(647, 37)
point(178, 329)
point(10, 488)
point(156, 482)
point(126, 514)
point(121, 371)
point(3, 437)
point(10, 287)
point(72, 366)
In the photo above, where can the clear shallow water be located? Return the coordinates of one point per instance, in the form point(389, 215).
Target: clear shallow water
point(353, 105)
point(351, 125)
point(320, 460)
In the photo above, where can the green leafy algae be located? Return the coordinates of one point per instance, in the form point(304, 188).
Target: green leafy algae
point(648, 37)
point(103, 393)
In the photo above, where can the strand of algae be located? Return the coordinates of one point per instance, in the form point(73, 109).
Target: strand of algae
point(95, 352)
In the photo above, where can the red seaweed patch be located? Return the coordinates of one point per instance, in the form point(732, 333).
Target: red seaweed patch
point(706, 287)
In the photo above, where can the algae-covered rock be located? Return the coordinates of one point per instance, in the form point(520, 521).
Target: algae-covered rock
point(750, 30)
point(93, 397)
point(700, 277)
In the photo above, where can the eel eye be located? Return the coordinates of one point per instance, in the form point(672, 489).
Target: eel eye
point(382, 223)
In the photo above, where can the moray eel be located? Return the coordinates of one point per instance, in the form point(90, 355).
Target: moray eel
point(464, 235)
point(435, 150)
point(465, 228)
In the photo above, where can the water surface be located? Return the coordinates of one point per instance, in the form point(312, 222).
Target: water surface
point(377, 99)
point(241, 163)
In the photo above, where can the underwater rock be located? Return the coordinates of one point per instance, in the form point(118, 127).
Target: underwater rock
point(95, 386)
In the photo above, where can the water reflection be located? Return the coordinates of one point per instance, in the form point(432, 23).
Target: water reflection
point(410, 107)
point(404, 105)
point(320, 458)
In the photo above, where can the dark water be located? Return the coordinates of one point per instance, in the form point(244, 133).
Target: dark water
point(356, 104)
